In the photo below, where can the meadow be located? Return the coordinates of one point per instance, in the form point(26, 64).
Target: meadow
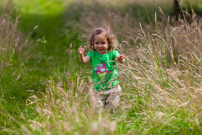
point(45, 90)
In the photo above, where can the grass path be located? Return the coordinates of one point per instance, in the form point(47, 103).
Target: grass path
point(48, 56)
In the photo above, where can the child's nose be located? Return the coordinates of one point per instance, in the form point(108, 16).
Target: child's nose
point(99, 44)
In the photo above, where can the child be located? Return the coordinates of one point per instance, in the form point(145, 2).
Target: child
point(105, 74)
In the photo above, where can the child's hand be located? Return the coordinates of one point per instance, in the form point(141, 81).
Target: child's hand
point(81, 50)
point(120, 58)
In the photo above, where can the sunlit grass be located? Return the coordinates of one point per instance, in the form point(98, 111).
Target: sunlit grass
point(39, 7)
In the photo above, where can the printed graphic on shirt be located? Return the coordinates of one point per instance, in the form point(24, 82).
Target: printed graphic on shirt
point(101, 71)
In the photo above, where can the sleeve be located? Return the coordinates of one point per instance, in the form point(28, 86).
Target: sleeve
point(115, 54)
point(90, 55)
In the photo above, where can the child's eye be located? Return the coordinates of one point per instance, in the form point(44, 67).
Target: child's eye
point(103, 42)
point(96, 43)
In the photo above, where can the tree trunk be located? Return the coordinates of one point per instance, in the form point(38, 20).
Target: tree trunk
point(176, 7)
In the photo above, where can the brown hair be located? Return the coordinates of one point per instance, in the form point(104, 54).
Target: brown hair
point(112, 41)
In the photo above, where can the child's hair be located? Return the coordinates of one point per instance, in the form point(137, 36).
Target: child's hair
point(112, 41)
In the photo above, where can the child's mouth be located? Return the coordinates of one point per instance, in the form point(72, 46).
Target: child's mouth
point(100, 50)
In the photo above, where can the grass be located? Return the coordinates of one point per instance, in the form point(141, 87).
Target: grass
point(44, 90)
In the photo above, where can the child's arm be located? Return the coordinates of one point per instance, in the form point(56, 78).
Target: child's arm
point(120, 58)
point(83, 59)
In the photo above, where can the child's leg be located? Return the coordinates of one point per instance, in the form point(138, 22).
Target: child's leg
point(99, 97)
point(113, 100)
point(101, 100)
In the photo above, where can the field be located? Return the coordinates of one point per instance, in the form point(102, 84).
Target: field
point(45, 90)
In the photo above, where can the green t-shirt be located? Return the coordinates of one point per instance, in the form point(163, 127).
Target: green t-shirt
point(104, 71)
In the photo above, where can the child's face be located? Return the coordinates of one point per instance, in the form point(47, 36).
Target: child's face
point(101, 44)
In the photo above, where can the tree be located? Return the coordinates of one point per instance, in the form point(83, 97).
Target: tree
point(177, 12)
point(177, 7)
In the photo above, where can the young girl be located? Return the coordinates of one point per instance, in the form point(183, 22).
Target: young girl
point(105, 74)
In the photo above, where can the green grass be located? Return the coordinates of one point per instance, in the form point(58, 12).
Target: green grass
point(46, 58)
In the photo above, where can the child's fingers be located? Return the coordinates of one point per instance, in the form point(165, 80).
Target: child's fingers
point(84, 47)
point(80, 50)
point(123, 56)
point(120, 58)
point(117, 58)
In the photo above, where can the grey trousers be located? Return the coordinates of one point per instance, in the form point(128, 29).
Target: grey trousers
point(108, 99)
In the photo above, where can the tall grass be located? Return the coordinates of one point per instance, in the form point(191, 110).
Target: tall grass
point(166, 76)
point(15, 77)
point(161, 81)
point(68, 109)
point(10, 45)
